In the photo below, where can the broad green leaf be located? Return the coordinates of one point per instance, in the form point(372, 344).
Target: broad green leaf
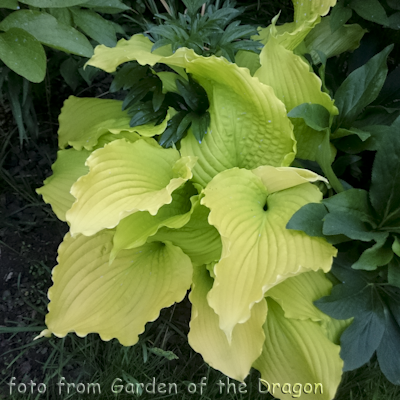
point(10, 4)
point(47, 30)
point(309, 219)
point(95, 26)
point(69, 71)
point(22, 53)
point(394, 21)
point(117, 300)
point(125, 178)
point(321, 38)
point(349, 224)
point(248, 125)
point(294, 84)
point(354, 202)
point(69, 166)
point(134, 230)
point(394, 271)
point(233, 359)
point(53, 3)
point(314, 115)
point(83, 121)
point(339, 16)
point(384, 192)
point(258, 251)
point(358, 296)
point(63, 15)
point(396, 246)
point(361, 88)
point(371, 10)
point(312, 356)
point(388, 352)
point(376, 256)
point(107, 6)
point(198, 239)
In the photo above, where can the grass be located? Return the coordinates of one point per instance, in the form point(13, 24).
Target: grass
point(153, 361)
point(90, 360)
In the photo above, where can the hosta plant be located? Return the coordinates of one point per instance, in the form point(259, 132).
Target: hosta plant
point(152, 219)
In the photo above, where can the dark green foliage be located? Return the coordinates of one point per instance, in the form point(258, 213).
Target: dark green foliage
point(209, 32)
point(360, 88)
point(364, 223)
point(375, 307)
point(147, 103)
point(314, 115)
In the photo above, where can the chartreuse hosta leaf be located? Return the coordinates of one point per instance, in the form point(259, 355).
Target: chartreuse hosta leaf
point(134, 230)
point(115, 301)
point(315, 364)
point(69, 166)
point(198, 239)
point(294, 84)
point(250, 209)
point(233, 359)
point(124, 178)
point(248, 125)
point(249, 60)
point(306, 16)
point(296, 296)
point(138, 48)
point(84, 120)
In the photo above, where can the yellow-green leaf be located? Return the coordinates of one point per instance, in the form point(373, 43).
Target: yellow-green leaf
point(83, 121)
point(296, 296)
point(248, 128)
point(69, 166)
point(198, 239)
point(124, 178)
point(307, 14)
point(116, 300)
point(134, 230)
point(138, 48)
point(294, 84)
point(315, 365)
point(258, 251)
point(233, 359)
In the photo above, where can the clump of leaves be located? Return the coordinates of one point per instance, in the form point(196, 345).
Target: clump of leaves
point(148, 104)
point(364, 221)
point(212, 31)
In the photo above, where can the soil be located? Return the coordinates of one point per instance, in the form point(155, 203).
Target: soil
point(29, 237)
